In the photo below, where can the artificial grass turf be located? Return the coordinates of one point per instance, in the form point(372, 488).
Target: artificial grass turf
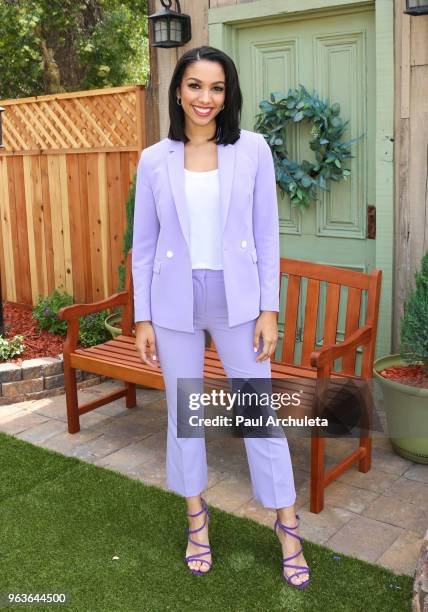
point(63, 521)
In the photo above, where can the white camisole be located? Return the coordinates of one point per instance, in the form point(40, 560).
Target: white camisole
point(203, 201)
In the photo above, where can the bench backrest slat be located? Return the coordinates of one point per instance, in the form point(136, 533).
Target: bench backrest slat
point(331, 313)
point(293, 296)
point(311, 320)
point(353, 309)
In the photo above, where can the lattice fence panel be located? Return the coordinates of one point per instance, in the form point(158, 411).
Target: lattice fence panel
point(92, 119)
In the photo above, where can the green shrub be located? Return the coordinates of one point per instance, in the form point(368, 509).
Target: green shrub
point(129, 231)
point(11, 348)
point(46, 311)
point(414, 323)
point(92, 330)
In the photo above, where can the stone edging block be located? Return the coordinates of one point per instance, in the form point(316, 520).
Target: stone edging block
point(40, 377)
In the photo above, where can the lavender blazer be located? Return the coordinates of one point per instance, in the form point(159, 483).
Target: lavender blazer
point(161, 263)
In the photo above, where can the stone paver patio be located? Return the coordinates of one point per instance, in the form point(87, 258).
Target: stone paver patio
point(380, 516)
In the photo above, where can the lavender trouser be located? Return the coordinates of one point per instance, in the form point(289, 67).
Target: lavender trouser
point(181, 355)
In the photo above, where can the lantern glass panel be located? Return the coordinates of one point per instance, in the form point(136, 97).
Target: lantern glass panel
point(161, 30)
point(417, 7)
point(176, 30)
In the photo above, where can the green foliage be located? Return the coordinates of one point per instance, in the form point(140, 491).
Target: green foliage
point(414, 323)
point(92, 330)
point(127, 238)
point(49, 46)
point(11, 348)
point(301, 181)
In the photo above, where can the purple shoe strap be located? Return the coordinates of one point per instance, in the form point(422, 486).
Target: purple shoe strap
point(199, 528)
point(201, 560)
point(304, 570)
point(201, 545)
point(293, 556)
point(287, 526)
point(193, 558)
point(197, 556)
point(303, 567)
point(201, 554)
point(285, 529)
point(204, 507)
point(289, 578)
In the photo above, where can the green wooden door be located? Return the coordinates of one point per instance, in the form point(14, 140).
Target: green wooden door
point(335, 55)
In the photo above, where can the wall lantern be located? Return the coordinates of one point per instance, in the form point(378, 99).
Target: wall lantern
point(170, 28)
point(416, 7)
point(1, 131)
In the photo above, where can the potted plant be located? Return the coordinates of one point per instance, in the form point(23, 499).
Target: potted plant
point(403, 377)
point(112, 324)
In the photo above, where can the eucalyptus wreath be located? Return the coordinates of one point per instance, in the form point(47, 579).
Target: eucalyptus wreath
point(302, 180)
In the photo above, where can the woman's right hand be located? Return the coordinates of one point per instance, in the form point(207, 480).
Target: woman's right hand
point(145, 343)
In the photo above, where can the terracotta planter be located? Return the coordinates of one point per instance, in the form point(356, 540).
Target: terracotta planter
point(406, 410)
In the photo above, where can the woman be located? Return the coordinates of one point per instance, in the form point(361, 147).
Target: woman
point(206, 257)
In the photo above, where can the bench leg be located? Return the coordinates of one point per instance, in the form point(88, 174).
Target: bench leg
point(71, 397)
point(131, 394)
point(317, 474)
point(365, 463)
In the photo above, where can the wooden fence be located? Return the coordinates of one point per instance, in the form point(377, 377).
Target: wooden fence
point(411, 153)
point(65, 172)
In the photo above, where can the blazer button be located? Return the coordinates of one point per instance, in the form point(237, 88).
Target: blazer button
point(243, 244)
point(169, 253)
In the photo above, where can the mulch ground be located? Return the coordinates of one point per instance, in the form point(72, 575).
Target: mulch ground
point(415, 376)
point(38, 342)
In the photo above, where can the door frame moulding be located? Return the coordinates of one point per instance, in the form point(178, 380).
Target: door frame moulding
point(223, 25)
point(265, 9)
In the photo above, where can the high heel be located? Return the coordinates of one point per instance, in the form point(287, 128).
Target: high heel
point(305, 569)
point(196, 556)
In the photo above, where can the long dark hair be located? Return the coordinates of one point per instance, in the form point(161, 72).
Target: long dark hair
point(227, 120)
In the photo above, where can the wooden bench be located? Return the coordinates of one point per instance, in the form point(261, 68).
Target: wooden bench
point(324, 286)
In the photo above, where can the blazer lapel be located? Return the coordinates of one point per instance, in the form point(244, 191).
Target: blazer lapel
point(226, 168)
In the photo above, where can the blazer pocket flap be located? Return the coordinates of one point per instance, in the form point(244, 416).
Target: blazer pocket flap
point(156, 267)
point(254, 256)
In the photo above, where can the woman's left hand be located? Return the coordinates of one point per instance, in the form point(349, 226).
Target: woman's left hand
point(267, 328)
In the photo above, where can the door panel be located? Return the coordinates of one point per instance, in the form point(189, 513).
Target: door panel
point(335, 56)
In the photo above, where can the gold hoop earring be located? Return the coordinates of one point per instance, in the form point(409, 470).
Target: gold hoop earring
point(178, 101)
point(222, 107)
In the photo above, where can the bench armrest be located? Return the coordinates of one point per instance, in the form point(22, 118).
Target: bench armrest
point(68, 313)
point(329, 353)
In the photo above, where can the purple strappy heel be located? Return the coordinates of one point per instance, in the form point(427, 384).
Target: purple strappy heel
point(196, 557)
point(304, 568)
